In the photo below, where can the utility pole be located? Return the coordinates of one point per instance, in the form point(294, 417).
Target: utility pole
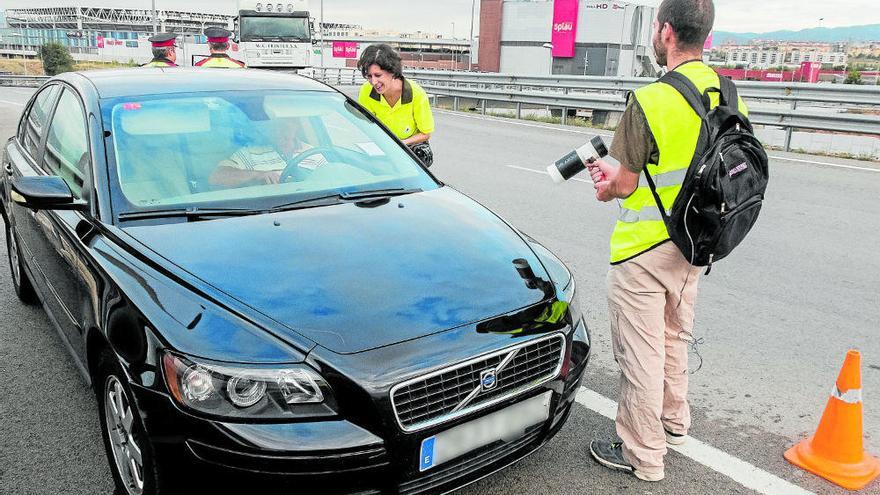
point(471, 49)
point(321, 31)
point(154, 18)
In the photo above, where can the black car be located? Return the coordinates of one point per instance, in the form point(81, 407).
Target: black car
point(263, 285)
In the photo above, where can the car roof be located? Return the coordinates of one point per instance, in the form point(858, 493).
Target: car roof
point(114, 83)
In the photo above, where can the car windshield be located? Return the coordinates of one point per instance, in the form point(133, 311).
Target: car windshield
point(250, 149)
point(274, 27)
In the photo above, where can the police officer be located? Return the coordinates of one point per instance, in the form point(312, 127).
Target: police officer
point(164, 50)
point(218, 43)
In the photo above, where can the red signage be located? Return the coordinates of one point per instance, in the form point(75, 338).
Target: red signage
point(810, 72)
point(565, 13)
point(100, 40)
point(345, 49)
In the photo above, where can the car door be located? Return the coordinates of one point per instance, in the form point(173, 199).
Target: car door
point(59, 249)
point(24, 154)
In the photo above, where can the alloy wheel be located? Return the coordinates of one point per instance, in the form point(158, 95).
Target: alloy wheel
point(127, 453)
point(14, 264)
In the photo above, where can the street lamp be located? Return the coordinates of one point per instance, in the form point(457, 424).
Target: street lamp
point(549, 46)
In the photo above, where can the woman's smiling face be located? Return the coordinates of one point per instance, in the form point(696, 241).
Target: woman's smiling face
point(378, 78)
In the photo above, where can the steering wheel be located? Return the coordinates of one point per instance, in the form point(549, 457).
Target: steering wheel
point(287, 173)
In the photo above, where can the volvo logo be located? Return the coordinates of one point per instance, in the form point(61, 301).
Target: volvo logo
point(488, 379)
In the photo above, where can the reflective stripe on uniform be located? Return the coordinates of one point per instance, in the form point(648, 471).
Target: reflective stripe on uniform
point(647, 214)
point(666, 179)
point(852, 396)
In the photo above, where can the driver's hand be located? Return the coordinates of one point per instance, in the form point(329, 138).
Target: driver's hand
point(271, 177)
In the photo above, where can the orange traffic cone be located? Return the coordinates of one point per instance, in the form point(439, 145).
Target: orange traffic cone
point(835, 452)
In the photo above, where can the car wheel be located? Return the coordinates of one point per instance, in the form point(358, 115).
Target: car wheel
point(128, 448)
point(23, 287)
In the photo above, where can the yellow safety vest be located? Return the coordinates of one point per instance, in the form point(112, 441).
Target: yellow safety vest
point(160, 62)
point(676, 128)
point(220, 60)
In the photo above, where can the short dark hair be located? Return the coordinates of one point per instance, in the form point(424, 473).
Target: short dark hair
point(384, 56)
point(691, 20)
point(161, 51)
point(218, 47)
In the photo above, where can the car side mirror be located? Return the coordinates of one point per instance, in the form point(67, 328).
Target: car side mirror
point(45, 192)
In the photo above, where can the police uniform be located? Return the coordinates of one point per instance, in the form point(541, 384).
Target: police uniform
point(410, 115)
point(161, 40)
point(221, 60)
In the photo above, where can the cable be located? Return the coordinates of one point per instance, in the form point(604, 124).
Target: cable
point(694, 344)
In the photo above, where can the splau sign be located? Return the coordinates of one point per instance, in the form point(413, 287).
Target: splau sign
point(565, 14)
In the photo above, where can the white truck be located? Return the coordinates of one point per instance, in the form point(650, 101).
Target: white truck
point(274, 35)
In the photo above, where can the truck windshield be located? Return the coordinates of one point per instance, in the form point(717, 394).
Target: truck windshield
point(267, 28)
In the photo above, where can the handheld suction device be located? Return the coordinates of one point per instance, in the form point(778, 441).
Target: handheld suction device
point(575, 162)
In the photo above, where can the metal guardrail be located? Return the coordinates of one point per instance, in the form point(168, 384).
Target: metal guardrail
point(609, 94)
point(19, 80)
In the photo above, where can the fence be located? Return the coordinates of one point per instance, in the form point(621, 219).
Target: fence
point(819, 107)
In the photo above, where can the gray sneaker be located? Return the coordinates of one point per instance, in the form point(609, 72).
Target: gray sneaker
point(675, 438)
point(610, 455)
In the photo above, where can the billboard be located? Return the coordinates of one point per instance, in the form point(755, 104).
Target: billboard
point(345, 49)
point(565, 13)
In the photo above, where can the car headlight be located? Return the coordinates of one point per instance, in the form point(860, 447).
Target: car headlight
point(247, 391)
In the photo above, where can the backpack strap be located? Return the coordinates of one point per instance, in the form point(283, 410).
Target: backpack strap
point(691, 94)
point(728, 92)
point(700, 104)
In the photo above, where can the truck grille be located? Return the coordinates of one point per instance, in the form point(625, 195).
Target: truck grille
point(478, 383)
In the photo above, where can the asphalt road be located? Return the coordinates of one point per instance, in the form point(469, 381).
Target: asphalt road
point(777, 318)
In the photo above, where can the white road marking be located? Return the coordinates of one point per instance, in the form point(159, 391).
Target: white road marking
point(606, 134)
point(736, 469)
point(826, 164)
point(12, 103)
point(544, 172)
point(511, 121)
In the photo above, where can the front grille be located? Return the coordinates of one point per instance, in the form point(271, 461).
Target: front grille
point(458, 390)
point(472, 463)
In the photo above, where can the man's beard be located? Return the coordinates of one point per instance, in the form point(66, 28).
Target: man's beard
point(660, 53)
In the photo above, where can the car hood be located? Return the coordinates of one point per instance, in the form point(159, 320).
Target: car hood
point(353, 278)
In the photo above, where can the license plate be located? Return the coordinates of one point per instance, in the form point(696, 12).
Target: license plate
point(507, 424)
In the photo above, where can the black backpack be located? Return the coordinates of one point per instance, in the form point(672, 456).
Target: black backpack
point(723, 189)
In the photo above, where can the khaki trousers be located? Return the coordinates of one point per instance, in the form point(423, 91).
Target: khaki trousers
point(651, 301)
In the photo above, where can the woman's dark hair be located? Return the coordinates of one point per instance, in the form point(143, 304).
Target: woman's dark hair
point(690, 19)
point(384, 56)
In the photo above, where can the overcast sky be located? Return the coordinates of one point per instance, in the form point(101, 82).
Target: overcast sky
point(438, 15)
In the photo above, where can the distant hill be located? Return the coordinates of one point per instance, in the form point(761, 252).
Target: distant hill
point(869, 32)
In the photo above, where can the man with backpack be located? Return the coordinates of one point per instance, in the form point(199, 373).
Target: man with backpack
point(667, 143)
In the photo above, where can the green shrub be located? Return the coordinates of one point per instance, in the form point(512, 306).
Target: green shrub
point(56, 58)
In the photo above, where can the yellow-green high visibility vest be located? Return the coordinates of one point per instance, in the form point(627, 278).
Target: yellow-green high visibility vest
point(676, 128)
point(220, 60)
point(160, 62)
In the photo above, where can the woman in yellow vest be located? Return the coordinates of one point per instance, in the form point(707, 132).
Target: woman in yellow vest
point(400, 104)
point(218, 43)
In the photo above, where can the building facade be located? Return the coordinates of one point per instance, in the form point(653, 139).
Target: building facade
point(566, 37)
point(769, 55)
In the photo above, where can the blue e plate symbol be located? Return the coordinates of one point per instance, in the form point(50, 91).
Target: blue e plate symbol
point(426, 456)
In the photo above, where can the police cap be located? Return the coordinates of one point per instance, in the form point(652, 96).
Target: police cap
point(217, 34)
point(162, 40)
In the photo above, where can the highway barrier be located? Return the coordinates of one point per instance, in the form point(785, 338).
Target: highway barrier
point(19, 80)
point(851, 109)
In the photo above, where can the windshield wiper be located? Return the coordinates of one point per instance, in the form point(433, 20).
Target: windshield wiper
point(337, 197)
point(190, 213)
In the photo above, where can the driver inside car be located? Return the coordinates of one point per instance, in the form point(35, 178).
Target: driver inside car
point(258, 165)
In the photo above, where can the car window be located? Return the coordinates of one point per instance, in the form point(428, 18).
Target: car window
point(36, 119)
point(67, 145)
point(232, 147)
